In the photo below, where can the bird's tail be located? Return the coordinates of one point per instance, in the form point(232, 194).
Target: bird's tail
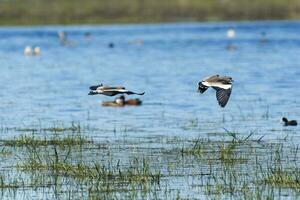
point(140, 93)
point(201, 88)
point(129, 93)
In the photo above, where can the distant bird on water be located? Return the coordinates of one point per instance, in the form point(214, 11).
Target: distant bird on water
point(111, 45)
point(231, 33)
point(110, 91)
point(120, 102)
point(63, 38)
point(263, 38)
point(29, 51)
point(289, 123)
point(222, 85)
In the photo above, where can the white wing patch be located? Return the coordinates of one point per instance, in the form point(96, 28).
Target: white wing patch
point(221, 85)
point(206, 83)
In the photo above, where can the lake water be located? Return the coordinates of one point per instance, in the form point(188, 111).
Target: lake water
point(166, 61)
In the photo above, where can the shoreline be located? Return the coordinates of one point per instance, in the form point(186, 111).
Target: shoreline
point(32, 12)
point(226, 22)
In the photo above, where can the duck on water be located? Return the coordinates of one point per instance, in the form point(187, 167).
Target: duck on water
point(121, 101)
point(286, 122)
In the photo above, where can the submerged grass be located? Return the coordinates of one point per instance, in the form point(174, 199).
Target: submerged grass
point(4, 184)
point(224, 151)
point(235, 167)
point(134, 173)
point(242, 166)
point(55, 129)
point(286, 178)
point(280, 173)
point(24, 140)
point(56, 156)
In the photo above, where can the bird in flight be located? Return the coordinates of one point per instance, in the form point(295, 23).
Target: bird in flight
point(110, 91)
point(222, 85)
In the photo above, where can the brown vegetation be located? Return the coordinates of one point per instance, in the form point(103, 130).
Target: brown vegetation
point(116, 11)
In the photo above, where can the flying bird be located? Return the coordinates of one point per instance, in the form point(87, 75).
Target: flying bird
point(110, 91)
point(222, 85)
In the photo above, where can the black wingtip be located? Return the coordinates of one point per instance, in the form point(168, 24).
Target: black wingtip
point(94, 87)
point(201, 88)
point(222, 105)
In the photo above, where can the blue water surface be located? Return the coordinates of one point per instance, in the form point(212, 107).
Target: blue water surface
point(166, 61)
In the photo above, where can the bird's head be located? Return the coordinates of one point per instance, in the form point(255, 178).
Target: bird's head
point(284, 120)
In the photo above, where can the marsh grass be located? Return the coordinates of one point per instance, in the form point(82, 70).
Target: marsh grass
point(244, 166)
point(107, 11)
point(229, 152)
point(75, 158)
point(280, 173)
point(137, 172)
point(11, 184)
point(238, 166)
point(286, 178)
point(32, 140)
point(56, 128)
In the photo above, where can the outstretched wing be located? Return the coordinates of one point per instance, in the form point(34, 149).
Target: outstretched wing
point(111, 92)
point(130, 92)
point(94, 87)
point(222, 95)
point(103, 87)
point(112, 88)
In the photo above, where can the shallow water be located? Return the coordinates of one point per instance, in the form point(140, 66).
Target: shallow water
point(51, 89)
point(167, 66)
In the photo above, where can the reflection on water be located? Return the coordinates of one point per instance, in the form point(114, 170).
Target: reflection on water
point(166, 61)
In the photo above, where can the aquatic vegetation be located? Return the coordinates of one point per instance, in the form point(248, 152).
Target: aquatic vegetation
point(137, 172)
point(282, 174)
point(236, 166)
point(57, 128)
point(5, 184)
point(105, 11)
point(24, 140)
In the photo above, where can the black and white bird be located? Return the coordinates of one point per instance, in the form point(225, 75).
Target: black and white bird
point(222, 85)
point(110, 91)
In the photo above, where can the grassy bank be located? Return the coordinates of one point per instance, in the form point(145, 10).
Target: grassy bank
point(25, 12)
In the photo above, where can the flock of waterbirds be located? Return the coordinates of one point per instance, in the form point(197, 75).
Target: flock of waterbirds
point(64, 40)
point(222, 84)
